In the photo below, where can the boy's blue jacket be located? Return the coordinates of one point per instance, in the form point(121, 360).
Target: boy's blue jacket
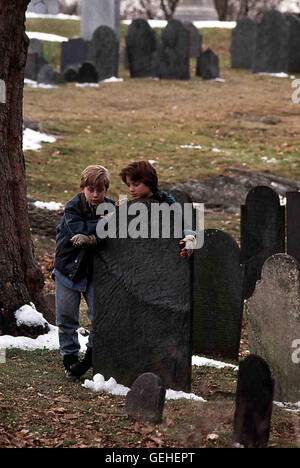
point(78, 218)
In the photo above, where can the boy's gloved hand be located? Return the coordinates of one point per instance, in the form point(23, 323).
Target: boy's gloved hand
point(187, 245)
point(81, 240)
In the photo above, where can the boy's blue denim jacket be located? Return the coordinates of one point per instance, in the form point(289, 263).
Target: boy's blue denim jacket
point(79, 218)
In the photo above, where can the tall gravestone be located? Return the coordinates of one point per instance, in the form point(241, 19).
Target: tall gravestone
point(262, 232)
point(195, 39)
point(142, 309)
point(104, 52)
point(293, 224)
point(294, 44)
point(242, 43)
point(195, 10)
point(141, 49)
point(208, 65)
point(218, 296)
point(271, 44)
point(95, 13)
point(50, 7)
point(173, 56)
point(273, 323)
point(73, 53)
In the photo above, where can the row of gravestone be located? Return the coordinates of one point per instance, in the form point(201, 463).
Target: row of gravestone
point(271, 46)
point(144, 325)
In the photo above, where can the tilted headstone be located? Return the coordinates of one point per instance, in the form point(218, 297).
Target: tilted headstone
point(141, 48)
point(262, 232)
point(208, 65)
point(273, 323)
point(104, 52)
point(142, 309)
point(145, 401)
point(73, 53)
point(34, 63)
point(87, 73)
point(46, 75)
point(195, 38)
point(254, 403)
point(95, 13)
point(218, 296)
point(271, 44)
point(293, 224)
point(294, 44)
point(173, 55)
point(242, 43)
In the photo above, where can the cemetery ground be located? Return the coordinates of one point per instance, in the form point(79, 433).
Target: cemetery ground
point(248, 122)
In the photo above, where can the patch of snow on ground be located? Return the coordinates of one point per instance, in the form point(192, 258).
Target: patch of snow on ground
point(113, 79)
point(202, 361)
point(199, 24)
point(51, 206)
point(292, 407)
point(28, 315)
point(46, 37)
point(32, 140)
point(35, 84)
point(87, 85)
point(61, 16)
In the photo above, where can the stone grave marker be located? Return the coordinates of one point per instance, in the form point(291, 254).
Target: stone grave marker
point(73, 53)
point(104, 52)
point(242, 43)
point(208, 65)
point(262, 232)
point(35, 47)
point(293, 224)
point(273, 323)
point(95, 13)
point(141, 49)
point(254, 403)
point(173, 54)
point(195, 39)
point(217, 296)
point(294, 44)
point(271, 44)
point(87, 73)
point(142, 308)
point(48, 7)
point(46, 75)
point(34, 63)
point(145, 401)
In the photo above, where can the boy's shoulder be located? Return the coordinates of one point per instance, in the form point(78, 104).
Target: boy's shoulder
point(74, 202)
point(164, 197)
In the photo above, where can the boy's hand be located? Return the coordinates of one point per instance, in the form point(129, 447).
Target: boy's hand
point(80, 240)
point(187, 246)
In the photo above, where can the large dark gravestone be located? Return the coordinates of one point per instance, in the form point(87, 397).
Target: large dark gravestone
point(195, 38)
point(141, 48)
point(104, 52)
point(142, 309)
point(254, 403)
point(208, 65)
point(218, 296)
point(73, 53)
point(271, 45)
point(174, 60)
point(87, 73)
point(262, 232)
point(293, 224)
point(294, 44)
point(242, 43)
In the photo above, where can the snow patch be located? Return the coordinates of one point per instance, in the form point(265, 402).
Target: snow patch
point(202, 361)
point(113, 79)
point(61, 16)
point(291, 407)
point(28, 315)
point(51, 206)
point(32, 139)
point(87, 85)
point(46, 37)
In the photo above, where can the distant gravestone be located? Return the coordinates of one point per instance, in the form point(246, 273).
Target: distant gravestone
point(145, 401)
point(294, 44)
point(262, 232)
point(95, 13)
point(173, 55)
point(218, 296)
point(87, 73)
point(254, 403)
point(208, 65)
point(242, 43)
point(141, 49)
point(73, 53)
point(273, 323)
point(104, 52)
point(271, 45)
point(142, 309)
point(50, 7)
point(293, 224)
point(195, 39)
point(34, 63)
point(35, 47)
point(46, 75)
point(71, 73)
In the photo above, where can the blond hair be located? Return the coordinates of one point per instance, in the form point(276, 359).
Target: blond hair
point(95, 176)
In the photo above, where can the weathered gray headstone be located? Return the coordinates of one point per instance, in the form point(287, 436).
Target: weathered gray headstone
point(73, 52)
point(145, 401)
point(173, 55)
point(46, 75)
point(218, 296)
point(141, 48)
point(271, 44)
point(208, 65)
point(262, 232)
point(34, 63)
point(294, 44)
point(104, 52)
point(35, 47)
point(95, 13)
point(273, 323)
point(242, 43)
point(50, 7)
point(142, 309)
point(293, 224)
point(195, 40)
point(195, 10)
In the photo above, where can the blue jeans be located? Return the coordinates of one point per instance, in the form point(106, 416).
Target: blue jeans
point(67, 302)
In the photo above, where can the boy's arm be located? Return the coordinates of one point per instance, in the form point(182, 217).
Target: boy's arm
point(76, 224)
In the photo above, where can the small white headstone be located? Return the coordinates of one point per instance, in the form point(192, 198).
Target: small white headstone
point(2, 92)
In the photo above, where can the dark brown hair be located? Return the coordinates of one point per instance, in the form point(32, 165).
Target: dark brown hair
point(141, 171)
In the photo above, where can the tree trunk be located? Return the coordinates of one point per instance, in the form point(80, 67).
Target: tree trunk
point(21, 280)
point(222, 8)
point(244, 8)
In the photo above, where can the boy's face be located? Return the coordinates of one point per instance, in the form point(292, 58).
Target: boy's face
point(138, 189)
point(93, 195)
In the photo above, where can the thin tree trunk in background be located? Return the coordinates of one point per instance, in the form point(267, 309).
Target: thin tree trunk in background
point(244, 8)
point(21, 280)
point(222, 8)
